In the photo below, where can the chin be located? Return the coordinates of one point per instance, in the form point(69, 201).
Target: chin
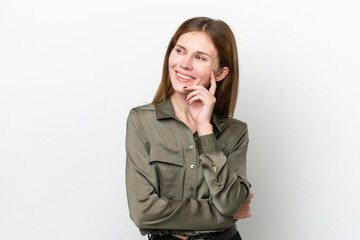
point(179, 90)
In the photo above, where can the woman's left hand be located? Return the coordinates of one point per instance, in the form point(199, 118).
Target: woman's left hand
point(201, 104)
point(244, 211)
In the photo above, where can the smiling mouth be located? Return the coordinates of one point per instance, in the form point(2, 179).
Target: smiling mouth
point(184, 77)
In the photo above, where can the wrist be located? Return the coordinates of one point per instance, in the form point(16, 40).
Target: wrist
point(204, 129)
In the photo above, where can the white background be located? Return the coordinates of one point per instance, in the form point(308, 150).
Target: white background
point(71, 70)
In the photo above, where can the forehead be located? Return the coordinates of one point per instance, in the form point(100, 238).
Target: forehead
point(197, 41)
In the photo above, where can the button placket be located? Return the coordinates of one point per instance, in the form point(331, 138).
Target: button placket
point(190, 154)
point(191, 147)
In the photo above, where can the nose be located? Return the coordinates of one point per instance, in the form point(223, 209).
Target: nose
point(186, 62)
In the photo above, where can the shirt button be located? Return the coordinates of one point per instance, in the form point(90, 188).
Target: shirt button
point(192, 166)
point(191, 146)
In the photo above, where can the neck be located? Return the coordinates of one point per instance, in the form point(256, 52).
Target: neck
point(181, 109)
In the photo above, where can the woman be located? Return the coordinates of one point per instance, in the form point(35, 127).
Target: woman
point(186, 155)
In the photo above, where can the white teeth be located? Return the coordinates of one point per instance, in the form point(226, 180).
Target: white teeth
point(182, 76)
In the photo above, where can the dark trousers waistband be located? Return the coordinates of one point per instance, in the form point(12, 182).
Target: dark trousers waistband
point(228, 234)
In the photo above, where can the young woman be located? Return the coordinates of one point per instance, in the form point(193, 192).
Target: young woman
point(186, 155)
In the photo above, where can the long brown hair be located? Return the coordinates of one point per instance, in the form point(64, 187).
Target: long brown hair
point(224, 42)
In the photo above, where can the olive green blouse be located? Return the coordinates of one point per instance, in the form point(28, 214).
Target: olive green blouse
point(171, 185)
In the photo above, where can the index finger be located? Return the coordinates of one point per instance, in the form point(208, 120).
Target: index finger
point(212, 83)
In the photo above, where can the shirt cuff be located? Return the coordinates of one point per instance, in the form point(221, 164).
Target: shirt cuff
point(208, 144)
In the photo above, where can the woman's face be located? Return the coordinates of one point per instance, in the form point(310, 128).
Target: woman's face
point(192, 60)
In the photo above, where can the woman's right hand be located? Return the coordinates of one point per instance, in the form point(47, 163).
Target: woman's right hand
point(181, 236)
point(244, 211)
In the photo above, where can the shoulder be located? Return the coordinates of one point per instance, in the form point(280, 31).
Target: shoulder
point(238, 125)
point(145, 107)
point(142, 109)
point(140, 114)
point(234, 134)
point(234, 126)
point(237, 130)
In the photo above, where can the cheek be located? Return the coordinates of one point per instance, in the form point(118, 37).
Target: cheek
point(205, 72)
point(172, 60)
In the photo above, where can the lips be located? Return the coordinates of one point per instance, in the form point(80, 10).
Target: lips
point(184, 77)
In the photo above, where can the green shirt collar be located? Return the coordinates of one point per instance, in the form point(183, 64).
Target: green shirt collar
point(165, 110)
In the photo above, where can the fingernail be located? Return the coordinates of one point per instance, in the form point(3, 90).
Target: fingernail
point(185, 98)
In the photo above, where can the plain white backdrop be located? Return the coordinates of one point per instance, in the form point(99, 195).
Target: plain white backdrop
point(70, 71)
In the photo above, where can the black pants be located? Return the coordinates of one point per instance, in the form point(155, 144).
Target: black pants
point(235, 236)
point(169, 237)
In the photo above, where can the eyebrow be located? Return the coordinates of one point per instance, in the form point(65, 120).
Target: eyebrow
point(178, 45)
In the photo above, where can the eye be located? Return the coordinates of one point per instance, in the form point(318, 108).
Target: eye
point(178, 50)
point(201, 58)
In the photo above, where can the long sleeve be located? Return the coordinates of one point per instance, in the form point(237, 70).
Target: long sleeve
point(150, 211)
point(229, 188)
